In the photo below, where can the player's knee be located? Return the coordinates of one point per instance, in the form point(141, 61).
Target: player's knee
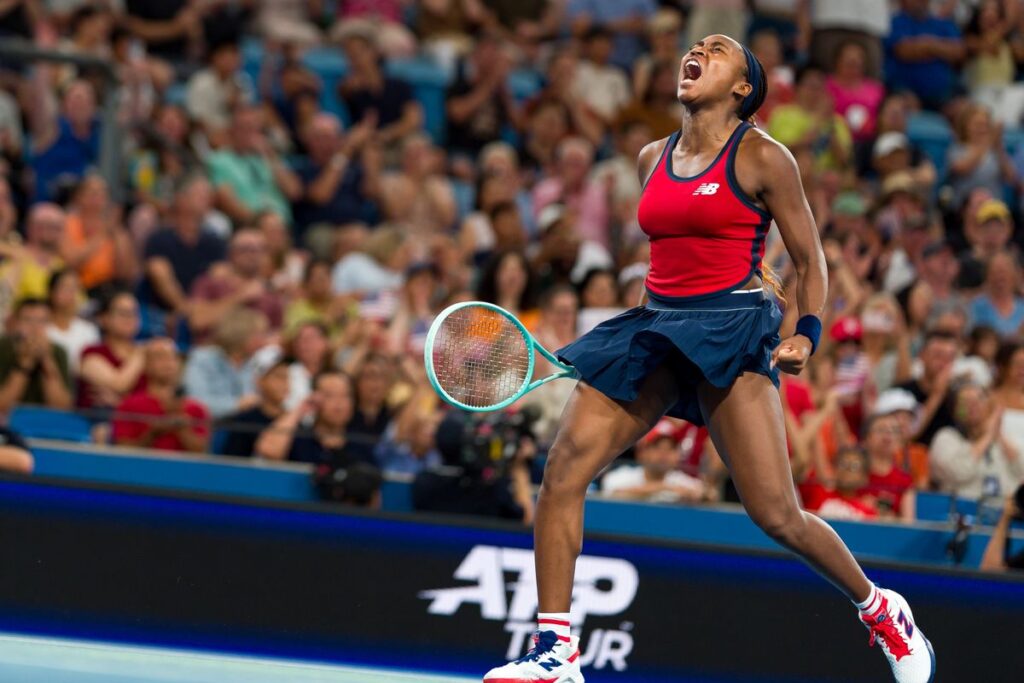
point(784, 524)
point(562, 476)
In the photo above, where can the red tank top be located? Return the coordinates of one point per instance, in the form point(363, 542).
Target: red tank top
point(707, 236)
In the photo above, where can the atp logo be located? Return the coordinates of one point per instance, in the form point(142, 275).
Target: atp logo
point(706, 189)
point(604, 586)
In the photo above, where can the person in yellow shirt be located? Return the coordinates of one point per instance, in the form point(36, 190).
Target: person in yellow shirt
point(810, 121)
point(26, 269)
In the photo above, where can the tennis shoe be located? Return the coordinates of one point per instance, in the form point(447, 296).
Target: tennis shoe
point(550, 660)
point(893, 629)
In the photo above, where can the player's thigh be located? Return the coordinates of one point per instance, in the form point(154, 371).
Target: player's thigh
point(595, 429)
point(746, 424)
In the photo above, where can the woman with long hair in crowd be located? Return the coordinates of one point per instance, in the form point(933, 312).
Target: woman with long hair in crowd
point(68, 328)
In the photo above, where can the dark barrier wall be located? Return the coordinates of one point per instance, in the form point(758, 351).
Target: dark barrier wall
point(409, 592)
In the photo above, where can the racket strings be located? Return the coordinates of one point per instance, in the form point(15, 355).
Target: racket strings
point(480, 357)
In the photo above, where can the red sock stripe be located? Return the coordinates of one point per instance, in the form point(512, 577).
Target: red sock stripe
point(575, 656)
point(564, 639)
point(553, 622)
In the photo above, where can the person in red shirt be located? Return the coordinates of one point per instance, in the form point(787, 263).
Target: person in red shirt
point(891, 486)
point(845, 499)
point(157, 416)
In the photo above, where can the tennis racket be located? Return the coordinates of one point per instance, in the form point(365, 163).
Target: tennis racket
point(479, 357)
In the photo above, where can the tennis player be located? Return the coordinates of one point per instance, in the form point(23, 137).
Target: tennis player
point(705, 348)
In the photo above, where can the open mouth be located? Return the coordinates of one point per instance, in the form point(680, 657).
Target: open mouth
point(691, 69)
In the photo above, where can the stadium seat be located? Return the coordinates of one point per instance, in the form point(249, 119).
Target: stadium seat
point(47, 423)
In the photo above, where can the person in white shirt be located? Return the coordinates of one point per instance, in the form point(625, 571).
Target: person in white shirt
point(602, 86)
point(67, 329)
point(656, 476)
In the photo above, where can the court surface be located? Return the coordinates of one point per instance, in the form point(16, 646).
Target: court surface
point(44, 660)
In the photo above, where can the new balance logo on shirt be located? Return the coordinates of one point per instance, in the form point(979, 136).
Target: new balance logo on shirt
point(706, 189)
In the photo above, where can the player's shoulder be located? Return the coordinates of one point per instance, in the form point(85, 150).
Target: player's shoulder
point(760, 150)
point(649, 156)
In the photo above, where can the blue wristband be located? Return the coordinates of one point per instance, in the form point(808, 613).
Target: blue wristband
point(810, 327)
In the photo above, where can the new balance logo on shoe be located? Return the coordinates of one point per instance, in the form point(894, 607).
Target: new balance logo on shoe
point(706, 189)
point(550, 665)
point(906, 623)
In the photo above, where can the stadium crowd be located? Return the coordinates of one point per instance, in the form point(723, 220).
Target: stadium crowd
point(253, 270)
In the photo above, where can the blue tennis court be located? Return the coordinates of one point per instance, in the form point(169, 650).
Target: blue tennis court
point(45, 660)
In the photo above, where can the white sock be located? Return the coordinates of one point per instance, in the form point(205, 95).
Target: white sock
point(871, 603)
point(554, 621)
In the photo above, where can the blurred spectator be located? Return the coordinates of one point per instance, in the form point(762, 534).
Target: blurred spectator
point(158, 416)
point(911, 456)
point(371, 96)
point(931, 389)
point(418, 193)
point(65, 144)
point(377, 267)
point(997, 555)
point(657, 106)
point(893, 155)
point(893, 114)
point(218, 89)
point(978, 158)
point(416, 310)
point(853, 381)
point(562, 255)
point(618, 177)
point(656, 476)
point(171, 29)
point(846, 499)
point(315, 302)
point(939, 268)
point(571, 185)
point(885, 341)
point(238, 282)
point(96, 243)
point(314, 432)
point(177, 255)
point(507, 280)
point(999, 305)
point(855, 95)
point(32, 369)
point(112, 368)
point(68, 329)
point(479, 104)
point(974, 459)
point(555, 327)
point(767, 47)
point(340, 174)
point(164, 158)
point(410, 448)
point(921, 52)
point(218, 374)
point(248, 175)
point(309, 350)
point(373, 382)
point(824, 25)
point(1009, 390)
point(990, 70)
point(284, 265)
point(988, 233)
point(27, 269)
point(663, 35)
point(600, 85)
point(8, 211)
point(890, 485)
point(626, 19)
point(810, 122)
point(15, 455)
point(271, 377)
point(559, 89)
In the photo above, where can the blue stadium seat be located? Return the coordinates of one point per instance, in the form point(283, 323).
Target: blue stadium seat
point(46, 423)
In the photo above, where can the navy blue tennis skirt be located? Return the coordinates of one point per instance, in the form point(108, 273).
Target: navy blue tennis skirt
point(715, 338)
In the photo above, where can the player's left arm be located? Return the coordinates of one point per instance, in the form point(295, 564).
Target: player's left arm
point(780, 188)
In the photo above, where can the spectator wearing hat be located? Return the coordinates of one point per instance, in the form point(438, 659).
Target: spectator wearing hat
point(911, 457)
point(978, 157)
point(921, 52)
point(885, 341)
point(892, 153)
point(974, 458)
point(157, 416)
point(988, 234)
point(931, 387)
point(562, 254)
point(845, 497)
point(270, 371)
point(656, 476)
point(852, 369)
point(999, 306)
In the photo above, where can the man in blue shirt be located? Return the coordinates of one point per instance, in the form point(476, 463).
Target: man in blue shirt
point(65, 144)
point(626, 19)
point(921, 53)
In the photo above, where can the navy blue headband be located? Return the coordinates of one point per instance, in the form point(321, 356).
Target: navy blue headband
point(755, 76)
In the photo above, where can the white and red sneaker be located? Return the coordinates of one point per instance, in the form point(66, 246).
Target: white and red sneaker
point(551, 660)
point(892, 627)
